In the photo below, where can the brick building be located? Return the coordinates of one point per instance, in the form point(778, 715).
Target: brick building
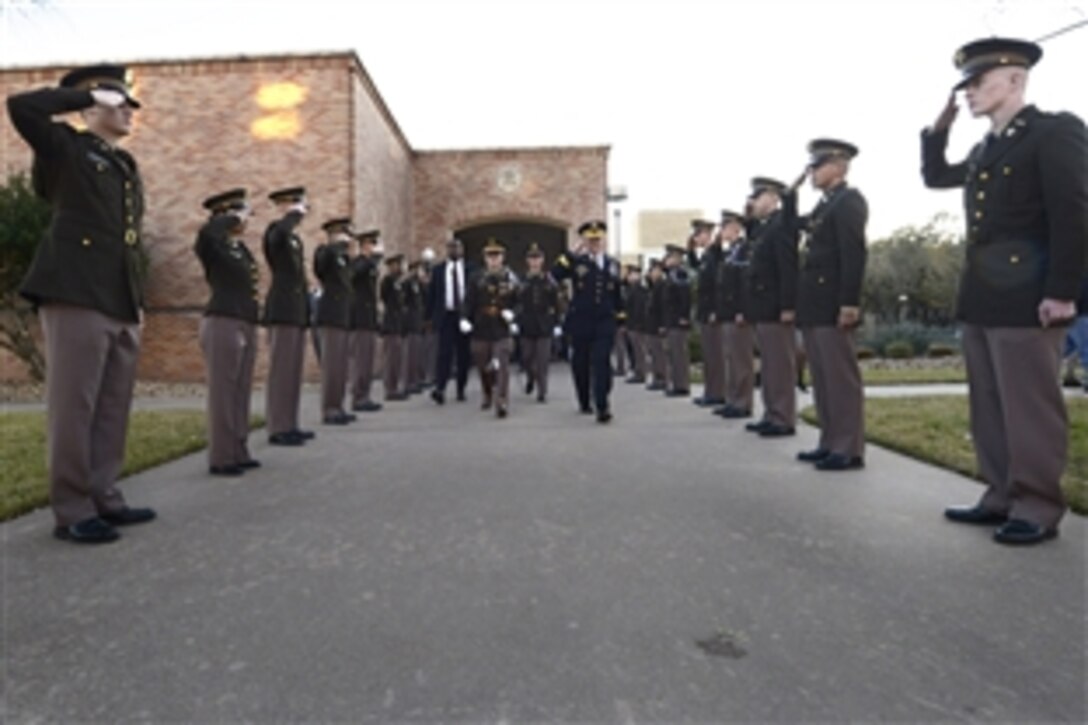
point(316, 120)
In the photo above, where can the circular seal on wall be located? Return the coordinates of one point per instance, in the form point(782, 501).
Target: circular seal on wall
point(509, 179)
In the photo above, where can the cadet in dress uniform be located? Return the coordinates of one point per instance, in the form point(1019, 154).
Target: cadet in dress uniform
point(537, 319)
point(228, 331)
point(429, 347)
point(86, 282)
point(655, 326)
point(708, 273)
point(489, 317)
point(828, 306)
point(677, 322)
point(595, 307)
point(412, 332)
point(333, 320)
point(364, 321)
point(1026, 201)
point(286, 314)
point(392, 296)
point(738, 334)
point(635, 303)
point(770, 300)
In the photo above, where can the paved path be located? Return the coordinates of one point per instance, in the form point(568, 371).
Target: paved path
point(439, 565)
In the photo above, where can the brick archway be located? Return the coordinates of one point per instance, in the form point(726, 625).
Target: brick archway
point(517, 234)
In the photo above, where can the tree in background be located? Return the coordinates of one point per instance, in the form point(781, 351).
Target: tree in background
point(23, 219)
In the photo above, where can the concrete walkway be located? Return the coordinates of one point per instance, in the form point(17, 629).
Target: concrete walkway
point(436, 564)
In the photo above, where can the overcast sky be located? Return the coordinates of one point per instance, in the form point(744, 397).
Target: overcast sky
point(694, 97)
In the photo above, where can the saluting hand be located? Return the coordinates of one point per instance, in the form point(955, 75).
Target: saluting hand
point(108, 98)
point(948, 114)
point(243, 214)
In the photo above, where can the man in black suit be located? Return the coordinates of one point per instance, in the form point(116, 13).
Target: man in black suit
point(445, 306)
point(1026, 203)
point(86, 282)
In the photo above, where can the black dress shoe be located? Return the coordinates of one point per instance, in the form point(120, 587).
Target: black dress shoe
point(305, 435)
point(351, 417)
point(128, 516)
point(251, 463)
point(816, 454)
point(773, 430)
point(230, 470)
point(461, 396)
point(604, 416)
point(839, 462)
point(1017, 532)
point(367, 406)
point(677, 393)
point(654, 387)
point(438, 396)
point(337, 419)
point(635, 381)
point(530, 386)
point(285, 439)
point(88, 531)
point(586, 410)
point(541, 398)
point(975, 515)
point(705, 402)
point(757, 426)
point(500, 411)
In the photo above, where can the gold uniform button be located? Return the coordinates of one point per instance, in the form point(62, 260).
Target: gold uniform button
point(128, 184)
point(978, 215)
point(981, 195)
point(86, 242)
point(130, 237)
point(984, 176)
point(1015, 259)
point(1007, 171)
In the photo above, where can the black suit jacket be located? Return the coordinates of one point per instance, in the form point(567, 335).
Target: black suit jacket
point(230, 270)
point(91, 254)
point(436, 290)
point(288, 301)
point(1026, 203)
point(833, 267)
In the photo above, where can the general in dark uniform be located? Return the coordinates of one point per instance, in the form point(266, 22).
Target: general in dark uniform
point(537, 320)
point(86, 282)
point(364, 322)
point(228, 331)
point(828, 306)
point(392, 295)
point(770, 301)
point(333, 321)
point(706, 256)
point(595, 306)
point(286, 314)
point(489, 316)
point(1026, 201)
point(677, 322)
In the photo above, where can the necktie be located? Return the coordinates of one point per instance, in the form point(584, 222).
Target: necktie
point(456, 288)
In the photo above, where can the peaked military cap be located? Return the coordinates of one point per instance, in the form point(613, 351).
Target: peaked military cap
point(534, 251)
point(94, 77)
point(653, 262)
point(732, 216)
point(233, 199)
point(761, 184)
point(822, 150)
point(414, 265)
point(340, 224)
point(699, 224)
point(979, 56)
point(294, 193)
point(394, 259)
point(370, 235)
point(595, 229)
point(675, 249)
point(493, 247)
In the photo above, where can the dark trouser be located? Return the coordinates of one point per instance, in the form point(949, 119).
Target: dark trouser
point(430, 356)
point(393, 348)
point(495, 380)
point(334, 368)
point(740, 365)
point(409, 360)
point(230, 351)
point(638, 349)
point(286, 354)
point(536, 353)
point(679, 359)
point(619, 348)
point(1018, 419)
point(591, 365)
point(836, 385)
point(451, 342)
point(778, 372)
point(363, 345)
point(91, 372)
point(712, 337)
point(659, 365)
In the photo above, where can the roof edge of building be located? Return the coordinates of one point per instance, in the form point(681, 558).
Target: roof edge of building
point(579, 149)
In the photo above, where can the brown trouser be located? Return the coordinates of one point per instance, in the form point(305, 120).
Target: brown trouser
point(836, 386)
point(638, 346)
point(679, 359)
point(393, 350)
point(536, 353)
point(778, 372)
point(712, 338)
point(230, 351)
point(363, 344)
point(411, 359)
point(740, 365)
point(430, 355)
point(619, 349)
point(496, 383)
point(334, 368)
point(1018, 419)
point(286, 353)
point(88, 394)
point(659, 364)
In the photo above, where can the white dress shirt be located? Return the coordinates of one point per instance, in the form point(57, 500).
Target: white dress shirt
point(454, 268)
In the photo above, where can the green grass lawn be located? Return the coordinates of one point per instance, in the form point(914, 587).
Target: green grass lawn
point(154, 437)
point(913, 376)
point(935, 429)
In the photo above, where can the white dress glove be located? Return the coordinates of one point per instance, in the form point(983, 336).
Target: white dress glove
point(108, 98)
point(514, 329)
point(466, 327)
point(508, 315)
point(558, 331)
